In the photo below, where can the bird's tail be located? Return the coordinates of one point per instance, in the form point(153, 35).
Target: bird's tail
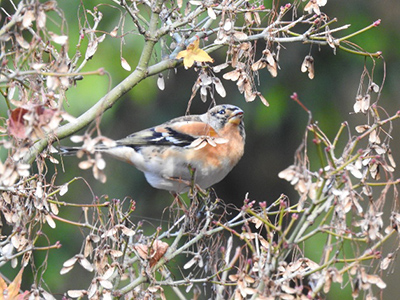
point(119, 152)
point(65, 150)
point(62, 150)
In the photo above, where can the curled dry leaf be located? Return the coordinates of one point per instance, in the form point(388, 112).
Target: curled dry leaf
point(248, 18)
point(114, 32)
point(272, 64)
point(58, 39)
point(91, 49)
point(65, 270)
point(100, 162)
point(142, 250)
point(52, 159)
point(314, 5)
point(391, 159)
point(362, 104)
point(308, 66)
point(262, 98)
point(16, 123)
point(289, 290)
point(70, 262)
point(201, 142)
point(84, 165)
point(249, 96)
point(259, 64)
point(332, 42)
point(153, 254)
point(374, 279)
point(105, 283)
point(228, 25)
point(54, 208)
point(77, 138)
point(386, 261)
point(76, 293)
point(356, 172)
point(19, 241)
point(108, 273)
point(196, 3)
point(157, 289)
point(85, 263)
point(373, 137)
point(21, 41)
point(38, 66)
point(161, 82)
point(240, 36)
point(28, 18)
point(257, 18)
point(89, 241)
point(374, 171)
point(197, 259)
point(219, 87)
point(88, 249)
point(127, 231)
point(379, 149)
point(362, 128)
point(91, 292)
point(203, 93)
point(99, 175)
point(374, 87)
point(211, 13)
point(49, 5)
point(268, 60)
point(257, 222)
point(63, 189)
point(116, 253)
point(232, 75)
point(50, 221)
point(41, 18)
point(125, 64)
point(220, 67)
point(221, 37)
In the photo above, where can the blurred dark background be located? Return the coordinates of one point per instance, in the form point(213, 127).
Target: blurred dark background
point(273, 133)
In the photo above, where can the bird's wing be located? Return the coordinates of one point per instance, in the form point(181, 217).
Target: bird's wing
point(179, 133)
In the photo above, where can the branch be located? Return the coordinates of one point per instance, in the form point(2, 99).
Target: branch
point(141, 72)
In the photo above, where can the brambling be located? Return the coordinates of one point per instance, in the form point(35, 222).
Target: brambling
point(199, 149)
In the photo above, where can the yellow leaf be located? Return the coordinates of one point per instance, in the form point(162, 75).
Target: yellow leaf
point(12, 291)
point(3, 287)
point(193, 53)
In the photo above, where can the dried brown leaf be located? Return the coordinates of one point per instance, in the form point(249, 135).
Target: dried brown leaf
point(161, 82)
point(16, 124)
point(114, 32)
point(125, 64)
point(308, 66)
point(21, 41)
point(28, 18)
point(219, 87)
point(41, 19)
point(232, 75)
point(58, 39)
point(211, 13)
point(76, 293)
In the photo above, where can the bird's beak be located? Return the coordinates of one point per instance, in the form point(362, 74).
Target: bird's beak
point(236, 117)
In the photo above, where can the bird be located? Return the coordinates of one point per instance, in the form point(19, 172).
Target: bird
point(192, 149)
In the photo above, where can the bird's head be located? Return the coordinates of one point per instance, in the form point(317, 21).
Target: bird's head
point(220, 115)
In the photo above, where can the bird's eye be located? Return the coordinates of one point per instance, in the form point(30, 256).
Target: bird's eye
point(221, 112)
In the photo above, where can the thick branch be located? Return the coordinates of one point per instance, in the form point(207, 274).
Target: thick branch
point(141, 72)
